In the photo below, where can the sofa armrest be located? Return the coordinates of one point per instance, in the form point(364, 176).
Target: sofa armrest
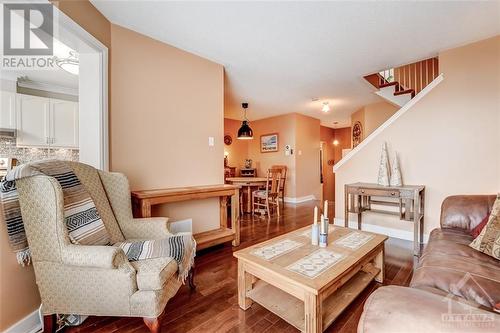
point(465, 211)
point(145, 228)
point(97, 256)
point(402, 309)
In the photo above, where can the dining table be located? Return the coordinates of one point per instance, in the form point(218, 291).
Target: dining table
point(248, 184)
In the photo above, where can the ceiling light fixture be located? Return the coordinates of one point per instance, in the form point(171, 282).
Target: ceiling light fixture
point(70, 64)
point(325, 107)
point(245, 132)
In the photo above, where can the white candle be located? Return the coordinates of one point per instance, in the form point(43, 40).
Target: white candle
point(322, 226)
point(315, 221)
point(325, 209)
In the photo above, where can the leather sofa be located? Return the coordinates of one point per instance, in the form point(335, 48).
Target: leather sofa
point(454, 287)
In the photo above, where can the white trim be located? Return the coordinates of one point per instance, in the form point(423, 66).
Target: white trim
point(389, 121)
point(391, 232)
point(74, 28)
point(29, 324)
point(39, 85)
point(300, 199)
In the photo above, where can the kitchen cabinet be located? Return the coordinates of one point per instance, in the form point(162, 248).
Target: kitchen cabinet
point(46, 122)
point(7, 110)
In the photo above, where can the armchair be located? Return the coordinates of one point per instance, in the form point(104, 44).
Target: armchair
point(94, 280)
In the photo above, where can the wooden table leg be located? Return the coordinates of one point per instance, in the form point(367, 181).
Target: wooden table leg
point(244, 285)
point(313, 313)
point(379, 263)
point(360, 209)
point(145, 208)
point(346, 207)
point(422, 216)
point(235, 216)
point(416, 224)
point(249, 200)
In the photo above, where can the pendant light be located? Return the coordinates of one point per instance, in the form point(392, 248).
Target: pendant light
point(245, 132)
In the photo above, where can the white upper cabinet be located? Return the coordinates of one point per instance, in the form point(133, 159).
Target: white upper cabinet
point(63, 124)
point(46, 122)
point(33, 121)
point(7, 109)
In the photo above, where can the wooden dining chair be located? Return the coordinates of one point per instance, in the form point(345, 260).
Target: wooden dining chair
point(269, 196)
point(283, 169)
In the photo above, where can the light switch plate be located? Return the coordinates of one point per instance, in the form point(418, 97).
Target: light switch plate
point(211, 141)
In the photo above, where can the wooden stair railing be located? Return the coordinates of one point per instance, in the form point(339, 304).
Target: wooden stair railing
point(408, 79)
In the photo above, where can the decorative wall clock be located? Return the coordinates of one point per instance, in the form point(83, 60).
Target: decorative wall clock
point(357, 134)
point(228, 140)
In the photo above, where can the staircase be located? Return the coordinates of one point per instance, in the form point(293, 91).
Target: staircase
point(399, 85)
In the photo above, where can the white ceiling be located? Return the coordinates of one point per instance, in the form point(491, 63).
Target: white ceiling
point(278, 55)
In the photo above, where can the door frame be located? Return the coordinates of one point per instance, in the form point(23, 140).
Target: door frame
point(66, 25)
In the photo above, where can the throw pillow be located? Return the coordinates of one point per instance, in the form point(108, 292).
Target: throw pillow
point(478, 228)
point(488, 240)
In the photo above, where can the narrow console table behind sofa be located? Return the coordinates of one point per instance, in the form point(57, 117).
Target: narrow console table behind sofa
point(143, 200)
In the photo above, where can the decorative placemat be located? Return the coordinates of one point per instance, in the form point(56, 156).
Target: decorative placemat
point(277, 249)
point(316, 263)
point(354, 240)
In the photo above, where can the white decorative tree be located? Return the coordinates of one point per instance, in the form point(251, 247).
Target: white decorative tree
point(384, 169)
point(396, 177)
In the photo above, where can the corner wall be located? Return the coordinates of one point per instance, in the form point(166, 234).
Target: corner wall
point(449, 141)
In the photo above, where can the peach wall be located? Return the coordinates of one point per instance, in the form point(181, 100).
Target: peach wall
point(238, 149)
point(371, 116)
point(285, 126)
point(327, 136)
point(449, 141)
point(166, 103)
point(307, 145)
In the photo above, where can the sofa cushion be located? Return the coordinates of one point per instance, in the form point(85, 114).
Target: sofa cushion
point(402, 309)
point(488, 240)
point(152, 273)
point(450, 265)
point(478, 228)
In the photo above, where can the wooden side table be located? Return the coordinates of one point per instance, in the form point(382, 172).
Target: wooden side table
point(143, 200)
point(411, 200)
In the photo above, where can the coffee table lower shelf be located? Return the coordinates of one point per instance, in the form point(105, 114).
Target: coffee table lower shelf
point(291, 309)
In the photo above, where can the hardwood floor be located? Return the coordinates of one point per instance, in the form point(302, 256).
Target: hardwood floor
point(213, 307)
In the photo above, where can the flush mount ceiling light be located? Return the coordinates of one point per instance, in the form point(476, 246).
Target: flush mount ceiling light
point(245, 132)
point(70, 64)
point(326, 107)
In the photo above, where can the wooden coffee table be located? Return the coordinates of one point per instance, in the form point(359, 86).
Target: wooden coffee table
point(306, 285)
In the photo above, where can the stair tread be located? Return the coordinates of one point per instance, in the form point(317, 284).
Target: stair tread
point(407, 91)
point(383, 85)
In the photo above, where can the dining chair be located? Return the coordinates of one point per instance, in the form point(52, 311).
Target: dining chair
point(268, 196)
point(283, 169)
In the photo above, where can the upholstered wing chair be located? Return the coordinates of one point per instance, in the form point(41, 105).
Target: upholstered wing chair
point(94, 280)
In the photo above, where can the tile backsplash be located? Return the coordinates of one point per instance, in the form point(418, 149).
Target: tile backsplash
point(23, 155)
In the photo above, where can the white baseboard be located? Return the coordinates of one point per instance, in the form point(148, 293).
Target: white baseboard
point(300, 199)
point(391, 232)
point(29, 324)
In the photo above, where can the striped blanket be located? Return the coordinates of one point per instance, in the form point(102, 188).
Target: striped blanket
point(82, 219)
point(181, 247)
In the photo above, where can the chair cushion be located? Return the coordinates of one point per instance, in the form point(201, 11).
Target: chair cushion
point(448, 264)
point(259, 193)
point(152, 273)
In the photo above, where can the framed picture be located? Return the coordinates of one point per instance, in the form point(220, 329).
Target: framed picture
point(269, 143)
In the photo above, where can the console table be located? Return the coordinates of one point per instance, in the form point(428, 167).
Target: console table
point(143, 200)
point(359, 197)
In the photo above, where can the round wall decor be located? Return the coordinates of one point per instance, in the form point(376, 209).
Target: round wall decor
point(357, 134)
point(228, 140)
